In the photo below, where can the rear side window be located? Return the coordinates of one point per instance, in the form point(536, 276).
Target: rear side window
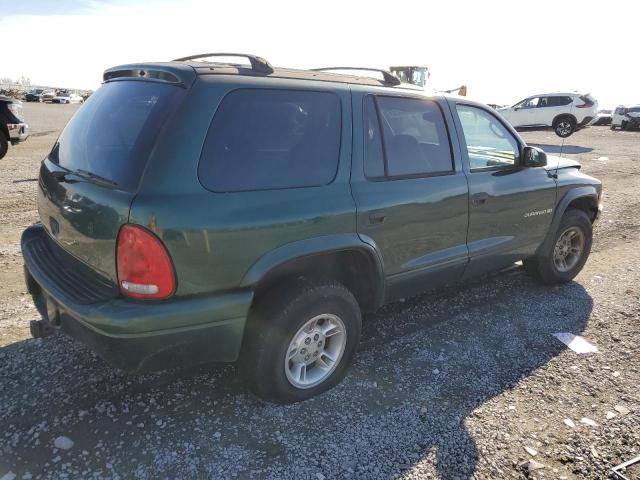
point(414, 137)
point(263, 139)
point(113, 133)
point(555, 101)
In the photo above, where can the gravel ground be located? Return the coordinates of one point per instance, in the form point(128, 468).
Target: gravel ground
point(462, 383)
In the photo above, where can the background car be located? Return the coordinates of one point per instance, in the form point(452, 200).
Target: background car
point(65, 96)
point(48, 96)
point(34, 95)
point(563, 112)
point(13, 128)
point(603, 117)
point(626, 118)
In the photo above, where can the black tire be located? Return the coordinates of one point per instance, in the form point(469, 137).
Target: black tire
point(623, 126)
point(272, 325)
point(564, 126)
point(612, 127)
point(4, 145)
point(543, 267)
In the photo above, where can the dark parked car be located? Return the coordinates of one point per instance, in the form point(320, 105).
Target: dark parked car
point(13, 128)
point(34, 95)
point(293, 201)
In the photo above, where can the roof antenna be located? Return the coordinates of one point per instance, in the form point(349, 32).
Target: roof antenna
point(555, 174)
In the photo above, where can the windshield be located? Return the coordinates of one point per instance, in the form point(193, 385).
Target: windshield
point(634, 109)
point(111, 136)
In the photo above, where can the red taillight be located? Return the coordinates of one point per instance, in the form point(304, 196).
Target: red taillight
point(144, 267)
point(587, 102)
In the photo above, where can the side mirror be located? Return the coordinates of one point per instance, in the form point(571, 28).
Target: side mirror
point(533, 157)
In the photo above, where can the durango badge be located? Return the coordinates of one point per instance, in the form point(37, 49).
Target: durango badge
point(535, 213)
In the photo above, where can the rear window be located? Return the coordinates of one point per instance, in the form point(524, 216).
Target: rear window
point(269, 139)
point(415, 137)
point(112, 134)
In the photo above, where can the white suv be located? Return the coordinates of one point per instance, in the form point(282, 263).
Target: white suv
point(564, 112)
point(626, 118)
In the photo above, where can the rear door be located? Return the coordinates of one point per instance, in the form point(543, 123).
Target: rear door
point(89, 179)
point(410, 191)
point(510, 207)
point(552, 106)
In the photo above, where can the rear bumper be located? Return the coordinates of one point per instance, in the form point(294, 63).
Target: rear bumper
point(134, 335)
point(18, 132)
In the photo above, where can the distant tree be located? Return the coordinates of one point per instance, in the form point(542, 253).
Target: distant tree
point(6, 80)
point(24, 81)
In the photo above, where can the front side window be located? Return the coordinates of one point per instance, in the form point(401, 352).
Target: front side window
point(414, 137)
point(263, 139)
point(528, 103)
point(489, 143)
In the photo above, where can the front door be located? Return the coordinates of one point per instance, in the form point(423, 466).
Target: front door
point(525, 113)
point(510, 207)
point(410, 191)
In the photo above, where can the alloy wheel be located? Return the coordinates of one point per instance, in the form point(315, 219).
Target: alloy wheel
point(568, 249)
point(315, 351)
point(564, 128)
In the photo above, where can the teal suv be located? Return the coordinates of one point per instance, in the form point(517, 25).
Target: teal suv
point(197, 210)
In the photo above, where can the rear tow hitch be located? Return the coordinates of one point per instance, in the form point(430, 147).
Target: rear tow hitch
point(41, 328)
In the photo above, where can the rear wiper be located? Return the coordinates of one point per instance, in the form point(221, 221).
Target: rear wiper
point(95, 177)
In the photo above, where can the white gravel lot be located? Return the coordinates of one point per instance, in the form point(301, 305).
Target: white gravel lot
point(466, 382)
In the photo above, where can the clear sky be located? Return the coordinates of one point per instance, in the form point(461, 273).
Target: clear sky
point(502, 50)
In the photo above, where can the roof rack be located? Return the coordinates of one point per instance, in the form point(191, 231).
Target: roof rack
point(388, 77)
point(258, 64)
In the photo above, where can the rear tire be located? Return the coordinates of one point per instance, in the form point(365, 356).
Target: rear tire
point(4, 145)
point(286, 357)
point(564, 126)
point(565, 256)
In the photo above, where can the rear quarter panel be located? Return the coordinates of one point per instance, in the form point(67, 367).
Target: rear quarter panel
point(214, 238)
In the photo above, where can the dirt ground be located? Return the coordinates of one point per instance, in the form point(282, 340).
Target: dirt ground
point(463, 383)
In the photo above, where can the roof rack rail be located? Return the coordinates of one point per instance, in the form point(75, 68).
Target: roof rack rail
point(258, 64)
point(388, 77)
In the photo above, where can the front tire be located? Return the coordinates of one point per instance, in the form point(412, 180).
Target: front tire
point(565, 256)
point(4, 145)
point(564, 126)
point(300, 342)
